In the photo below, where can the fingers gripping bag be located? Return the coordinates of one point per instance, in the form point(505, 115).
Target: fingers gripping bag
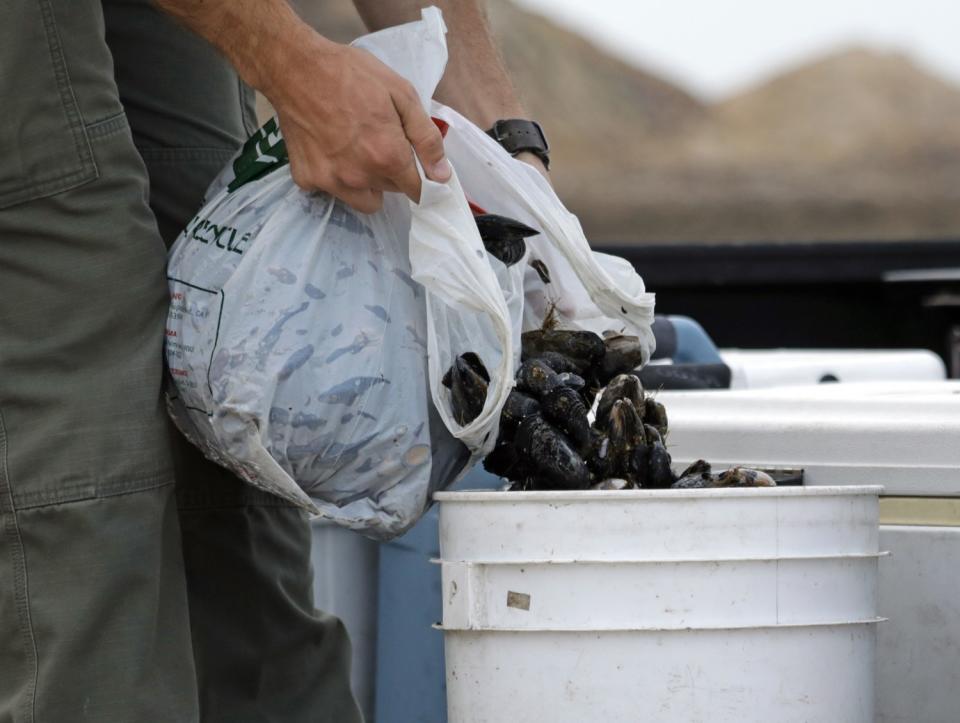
point(307, 342)
point(584, 289)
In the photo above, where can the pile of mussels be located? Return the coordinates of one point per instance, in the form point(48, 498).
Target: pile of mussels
point(546, 440)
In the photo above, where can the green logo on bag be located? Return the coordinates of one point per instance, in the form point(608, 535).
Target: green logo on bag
point(220, 235)
point(264, 151)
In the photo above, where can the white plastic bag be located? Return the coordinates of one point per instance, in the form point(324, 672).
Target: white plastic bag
point(300, 331)
point(590, 291)
point(308, 342)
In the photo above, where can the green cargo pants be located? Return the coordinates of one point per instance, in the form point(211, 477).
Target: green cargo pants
point(119, 601)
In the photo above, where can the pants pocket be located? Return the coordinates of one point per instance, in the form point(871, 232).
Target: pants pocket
point(44, 145)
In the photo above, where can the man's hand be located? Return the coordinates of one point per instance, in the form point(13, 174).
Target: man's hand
point(476, 82)
point(349, 122)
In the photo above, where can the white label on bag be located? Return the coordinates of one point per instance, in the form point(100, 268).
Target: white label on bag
point(193, 325)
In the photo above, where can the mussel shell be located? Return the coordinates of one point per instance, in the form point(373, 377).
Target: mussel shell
point(542, 271)
point(614, 483)
point(551, 452)
point(625, 428)
point(536, 377)
point(468, 392)
point(623, 355)
point(652, 434)
point(571, 380)
point(692, 482)
point(564, 407)
point(517, 406)
point(503, 237)
point(660, 475)
point(508, 250)
point(696, 476)
point(583, 347)
point(505, 461)
point(476, 364)
point(744, 477)
point(627, 449)
point(494, 226)
point(624, 386)
point(656, 414)
point(638, 465)
point(700, 467)
point(559, 363)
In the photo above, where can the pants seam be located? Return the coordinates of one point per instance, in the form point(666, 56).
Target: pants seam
point(107, 126)
point(21, 590)
point(42, 186)
point(67, 97)
point(93, 491)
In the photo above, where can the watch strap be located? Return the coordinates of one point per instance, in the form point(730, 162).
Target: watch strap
point(517, 135)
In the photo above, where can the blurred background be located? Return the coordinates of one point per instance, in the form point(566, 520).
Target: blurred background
point(687, 120)
point(786, 173)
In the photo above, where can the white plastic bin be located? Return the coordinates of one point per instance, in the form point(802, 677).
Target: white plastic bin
point(901, 435)
point(764, 368)
point(675, 605)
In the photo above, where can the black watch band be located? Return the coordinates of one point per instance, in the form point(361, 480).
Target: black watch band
point(517, 135)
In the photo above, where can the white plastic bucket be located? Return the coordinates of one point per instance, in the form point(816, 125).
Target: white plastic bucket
point(676, 605)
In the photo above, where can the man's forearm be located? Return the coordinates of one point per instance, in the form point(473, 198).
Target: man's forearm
point(351, 125)
point(258, 37)
point(476, 82)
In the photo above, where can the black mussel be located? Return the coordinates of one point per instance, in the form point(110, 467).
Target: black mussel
point(558, 464)
point(626, 435)
point(504, 237)
point(517, 406)
point(559, 363)
point(625, 427)
point(468, 391)
point(699, 468)
point(623, 355)
point(624, 386)
point(614, 483)
point(744, 477)
point(473, 360)
point(505, 461)
point(582, 347)
point(536, 377)
point(598, 458)
point(542, 271)
point(564, 407)
point(571, 380)
point(639, 465)
point(656, 414)
point(659, 473)
point(696, 476)
point(652, 434)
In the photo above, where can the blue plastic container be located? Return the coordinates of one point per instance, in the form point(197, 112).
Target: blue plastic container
point(410, 678)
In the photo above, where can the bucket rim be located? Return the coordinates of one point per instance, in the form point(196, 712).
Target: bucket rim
point(658, 494)
point(663, 628)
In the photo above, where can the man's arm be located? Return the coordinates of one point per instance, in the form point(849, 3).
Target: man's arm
point(476, 82)
point(348, 121)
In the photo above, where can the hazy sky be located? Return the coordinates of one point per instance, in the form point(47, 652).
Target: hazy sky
point(716, 47)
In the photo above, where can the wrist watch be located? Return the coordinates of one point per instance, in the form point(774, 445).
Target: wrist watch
point(517, 135)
